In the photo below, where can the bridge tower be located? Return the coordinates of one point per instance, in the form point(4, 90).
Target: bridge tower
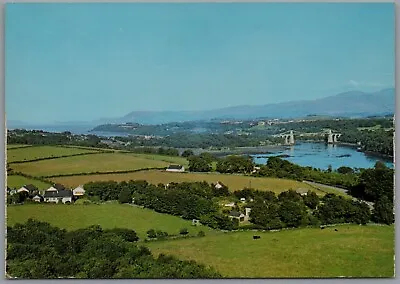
point(333, 137)
point(291, 138)
point(330, 137)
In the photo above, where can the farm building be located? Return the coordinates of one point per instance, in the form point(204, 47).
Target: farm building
point(55, 195)
point(232, 204)
point(37, 198)
point(27, 188)
point(219, 185)
point(175, 168)
point(236, 215)
point(79, 191)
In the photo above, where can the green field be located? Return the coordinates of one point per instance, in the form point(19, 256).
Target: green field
point(352, 251)
point(31, 153)
point(72, 217)
point(12, 146)
point(94, 163)
point(15, 181)
point(234, 182)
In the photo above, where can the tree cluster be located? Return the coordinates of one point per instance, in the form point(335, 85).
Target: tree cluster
point(377, 185)
point(280, 168)
point(189, 200)
point(36, 250)
point(290, 209)
point(235, 164)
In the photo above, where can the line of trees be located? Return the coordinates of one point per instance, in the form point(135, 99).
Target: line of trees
point(187, 200)
point(37, 250)
point(277, 167)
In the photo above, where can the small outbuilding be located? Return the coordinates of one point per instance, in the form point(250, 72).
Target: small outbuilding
point(79, 191)
point(37, 198)
point(237, 215)
point(175, 168)
point(219, 185)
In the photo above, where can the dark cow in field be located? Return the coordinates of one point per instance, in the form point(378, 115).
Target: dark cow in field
point(256, 237)
point(322, 227)
point(336, 230)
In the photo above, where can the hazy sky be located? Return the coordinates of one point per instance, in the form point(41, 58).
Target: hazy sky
point(78, 62)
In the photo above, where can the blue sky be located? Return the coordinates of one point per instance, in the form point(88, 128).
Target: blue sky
point(81, 62)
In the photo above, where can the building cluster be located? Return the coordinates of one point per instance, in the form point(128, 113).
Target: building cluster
point(55, 193)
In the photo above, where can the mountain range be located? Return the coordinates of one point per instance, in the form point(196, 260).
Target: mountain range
point(348, 104)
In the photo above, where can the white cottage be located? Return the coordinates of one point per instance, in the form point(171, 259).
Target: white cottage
point(79, 191)
point(58, 193)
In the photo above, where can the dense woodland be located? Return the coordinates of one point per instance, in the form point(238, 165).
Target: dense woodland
point(37, 250)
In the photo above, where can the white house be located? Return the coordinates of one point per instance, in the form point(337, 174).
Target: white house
point(232, 204)
point(79, 191)
point(23, 189)
point(58, 195)
point(27, 188)
point(175, 168)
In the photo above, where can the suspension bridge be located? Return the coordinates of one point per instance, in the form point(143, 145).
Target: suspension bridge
point(289, 136)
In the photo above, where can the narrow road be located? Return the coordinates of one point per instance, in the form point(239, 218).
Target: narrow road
point(315, 184)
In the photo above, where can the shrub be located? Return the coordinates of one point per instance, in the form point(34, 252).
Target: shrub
point(184, 231)
point(151, 234)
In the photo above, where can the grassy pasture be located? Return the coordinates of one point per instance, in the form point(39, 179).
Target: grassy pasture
point(234, 182)
point(15, 181)
point(31, 153)
point(352, 251)
point(72, 217)
point(12, 146)
point(92, 163)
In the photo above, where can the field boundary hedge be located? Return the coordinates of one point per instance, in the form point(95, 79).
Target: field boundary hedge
point(103, 173)
point(30, 177)
point(20, 147)
point(57, 157)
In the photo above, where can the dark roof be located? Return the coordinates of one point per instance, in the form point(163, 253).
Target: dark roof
point(58, 193)
point(234, 214)
point(59, 186)
point(30, 187)
point(175, 167)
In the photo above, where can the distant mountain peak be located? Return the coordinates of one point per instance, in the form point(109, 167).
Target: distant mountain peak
point(350, 103)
